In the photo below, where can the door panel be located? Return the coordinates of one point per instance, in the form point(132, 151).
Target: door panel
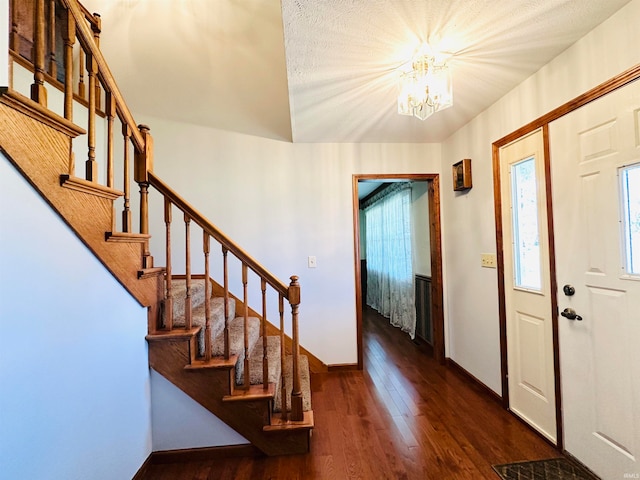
point(600, 361)
point(529, 320)
point(531, 353)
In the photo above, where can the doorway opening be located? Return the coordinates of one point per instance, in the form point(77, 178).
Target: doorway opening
point(429, 220)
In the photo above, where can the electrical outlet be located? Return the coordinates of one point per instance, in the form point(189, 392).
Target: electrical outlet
point(312, 261)
point(488, 260)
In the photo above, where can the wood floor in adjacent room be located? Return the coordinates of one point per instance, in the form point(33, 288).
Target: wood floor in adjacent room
point(403, 417)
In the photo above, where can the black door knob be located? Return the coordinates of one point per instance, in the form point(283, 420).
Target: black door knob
point(571, 314)
point(568, 290)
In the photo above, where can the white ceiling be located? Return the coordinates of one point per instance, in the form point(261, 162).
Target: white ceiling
point(325, 70)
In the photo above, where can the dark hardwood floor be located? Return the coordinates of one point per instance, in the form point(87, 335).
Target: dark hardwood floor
point(403, 417)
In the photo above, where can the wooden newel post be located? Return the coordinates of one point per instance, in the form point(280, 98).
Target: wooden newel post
point(296, 394)
point(143, 164)
point(38, 90)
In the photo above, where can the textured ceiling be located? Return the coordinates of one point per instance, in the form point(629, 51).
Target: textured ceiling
point(325, 70)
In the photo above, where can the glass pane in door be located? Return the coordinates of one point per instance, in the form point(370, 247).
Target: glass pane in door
point(526, 234)
point(630, 180)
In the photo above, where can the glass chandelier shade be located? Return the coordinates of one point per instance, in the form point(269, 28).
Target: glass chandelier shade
point(426, 88)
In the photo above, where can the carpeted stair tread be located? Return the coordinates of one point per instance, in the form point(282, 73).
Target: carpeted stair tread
point(305, 384)
point(255, 362)
point(179, 292)
point(236, 341)
point(216, 319)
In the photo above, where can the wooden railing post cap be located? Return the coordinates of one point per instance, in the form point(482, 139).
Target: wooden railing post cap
point(96, 26)
point(294, 291)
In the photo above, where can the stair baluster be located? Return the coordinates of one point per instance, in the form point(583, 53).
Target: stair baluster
point(168, 299)
point(69, 38)
point(38, 90)
point(81, 85)
point(96, 27)
point(297, 413)
point(91, 164)
point(265, 354)
point(14, 37)
point(110, 111)
point(207, 297)
point(283, 385)
point(53, 67)
point(245, 298)
point(187, 270)
point(225, 273)
point(126, 212)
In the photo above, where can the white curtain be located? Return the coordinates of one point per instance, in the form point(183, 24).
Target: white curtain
point(390, 288)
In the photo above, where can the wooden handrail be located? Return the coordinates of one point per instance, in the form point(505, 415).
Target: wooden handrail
point(86, 38)
point(215, 232)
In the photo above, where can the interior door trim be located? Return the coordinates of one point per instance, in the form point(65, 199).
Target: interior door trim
point(436, 257)
point(630, 75)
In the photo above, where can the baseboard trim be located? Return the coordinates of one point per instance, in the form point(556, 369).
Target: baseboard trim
point(342, 367)
point(451, 364)
point(204, 454)
point(460, 370)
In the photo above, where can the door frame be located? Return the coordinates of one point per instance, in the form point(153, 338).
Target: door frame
point(624, 78)
point(436, 256)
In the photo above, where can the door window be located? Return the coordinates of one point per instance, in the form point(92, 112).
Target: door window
point(526, 234)
point(630, 183)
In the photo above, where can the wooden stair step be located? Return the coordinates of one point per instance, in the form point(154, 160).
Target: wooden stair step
point(215, 362)
point(126, 237)
point(92, 188)
point(252, 394)
point(151, 272)
point(279, 423)
point(175, 334)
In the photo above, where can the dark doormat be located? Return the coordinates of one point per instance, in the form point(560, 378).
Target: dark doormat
point(551, 469)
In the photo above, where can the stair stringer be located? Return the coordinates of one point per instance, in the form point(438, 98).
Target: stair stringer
point(39, 146)
point(209, 386)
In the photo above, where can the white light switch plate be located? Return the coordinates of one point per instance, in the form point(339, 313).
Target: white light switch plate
point(312, 261)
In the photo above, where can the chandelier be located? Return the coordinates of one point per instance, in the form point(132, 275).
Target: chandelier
point(426, 88)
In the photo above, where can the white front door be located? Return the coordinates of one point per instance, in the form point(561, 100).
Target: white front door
point(595, 171)
point(528, 302)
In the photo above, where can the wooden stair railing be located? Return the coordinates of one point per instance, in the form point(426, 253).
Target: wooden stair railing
point(290, 293)
point(34, 21)
point(80, 32)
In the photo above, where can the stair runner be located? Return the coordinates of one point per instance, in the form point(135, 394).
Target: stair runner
point(236, 341)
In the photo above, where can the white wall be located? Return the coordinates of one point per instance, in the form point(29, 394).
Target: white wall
point(74, 377)
point(468, 218)
point(181, 422)
point(283, 202)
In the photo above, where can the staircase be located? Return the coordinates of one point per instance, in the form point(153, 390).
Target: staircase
point(219, 384)
point(206, 341)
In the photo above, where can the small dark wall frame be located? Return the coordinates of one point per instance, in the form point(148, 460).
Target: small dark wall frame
point(462, 175)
